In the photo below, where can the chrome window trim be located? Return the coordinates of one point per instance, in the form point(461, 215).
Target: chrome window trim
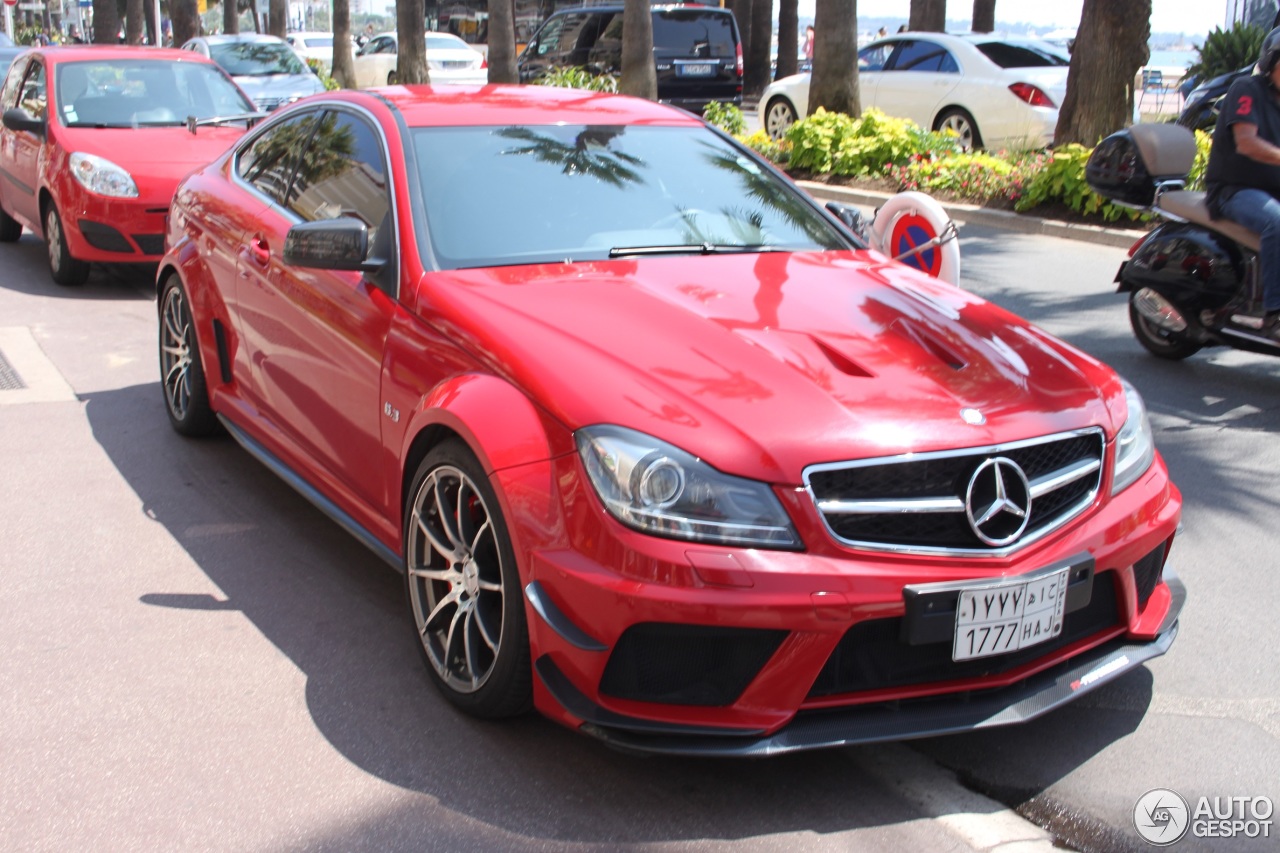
point(1040, 486)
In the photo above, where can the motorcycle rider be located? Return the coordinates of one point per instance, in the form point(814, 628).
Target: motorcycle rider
point(1243, 175)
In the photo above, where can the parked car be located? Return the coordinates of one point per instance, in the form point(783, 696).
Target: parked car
point(317, 46)
point(991, 92)
point(677, 460)
point(8, 52)
point(1200, 107)
point(697, 51)
point(94, 142)
point(264, 66)
point(449, 60)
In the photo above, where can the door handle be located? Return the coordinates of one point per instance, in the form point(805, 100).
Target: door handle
point(258, 252)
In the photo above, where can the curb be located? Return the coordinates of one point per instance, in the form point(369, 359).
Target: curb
point(1121, 238)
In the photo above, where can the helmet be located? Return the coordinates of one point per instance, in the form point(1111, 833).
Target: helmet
point(1269, 53)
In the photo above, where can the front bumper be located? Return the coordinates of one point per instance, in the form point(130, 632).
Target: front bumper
point(110, 230)
point(860, 724)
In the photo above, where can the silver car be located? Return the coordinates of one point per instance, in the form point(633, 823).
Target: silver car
point(264, 66)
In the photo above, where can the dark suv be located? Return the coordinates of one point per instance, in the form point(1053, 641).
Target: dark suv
point(696, 49)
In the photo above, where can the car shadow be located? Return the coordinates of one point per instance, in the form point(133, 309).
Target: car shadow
point(27, 272)
point(336, 611)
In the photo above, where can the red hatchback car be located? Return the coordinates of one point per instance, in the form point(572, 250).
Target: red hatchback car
point(94, 141)
point(659, 446)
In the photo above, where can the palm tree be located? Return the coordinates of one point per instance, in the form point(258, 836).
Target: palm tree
point(639, 77)
point(342, 69)
point(834, 82)
point(411, 39)
point(788, 38)
point(756, 57)
point(1111, 45)
point(984, 16)
point(230, 17)
point(928, 16)
point(106, 21)
point(278, 18)
point(133, 22)
point(502, 42)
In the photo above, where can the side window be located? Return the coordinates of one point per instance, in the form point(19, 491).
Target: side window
point(344, 173)
point(875, 58)
point(9, 98)
point(386, 44)
point(268, 162)
point(924, 56)
point(548, 40)
point(34, 97)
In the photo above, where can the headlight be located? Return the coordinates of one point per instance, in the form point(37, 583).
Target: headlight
point(1135, 446)
point(659, 489)
point(99, 175)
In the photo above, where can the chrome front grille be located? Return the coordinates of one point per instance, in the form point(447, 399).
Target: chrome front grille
point(917, 503)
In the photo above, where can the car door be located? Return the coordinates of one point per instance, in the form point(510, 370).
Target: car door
point(375, 61)
point(316, 337)
point(917, 80)
point(872, 60)
point(21, 151)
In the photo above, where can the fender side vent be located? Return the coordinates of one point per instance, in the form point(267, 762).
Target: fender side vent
point(224, 353)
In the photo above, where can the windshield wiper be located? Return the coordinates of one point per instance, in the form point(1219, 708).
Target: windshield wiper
point(691, 249)
point(193, 122)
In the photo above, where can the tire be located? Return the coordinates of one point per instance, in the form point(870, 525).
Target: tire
point(65, 270)
point(778, 116)
point(1161, 342)
point(10, 228)
point(463, 588)
point(186, 396)
point(959, 121)
point(392, 78)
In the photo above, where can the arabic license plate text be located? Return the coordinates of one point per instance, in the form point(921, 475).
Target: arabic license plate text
point(1009, 615)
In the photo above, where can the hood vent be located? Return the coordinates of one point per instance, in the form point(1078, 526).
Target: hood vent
point(928, 342)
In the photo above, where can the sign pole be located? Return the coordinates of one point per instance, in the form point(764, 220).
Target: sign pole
point(159, 26)
point(8, 20)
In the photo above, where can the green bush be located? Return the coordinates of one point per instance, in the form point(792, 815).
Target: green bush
point(322, 73)
point(576, 77)
point(774, 150)
point(973, 176)
point(727, 117)
point(1061, 179)
point(1228, 50)
point(835, 143)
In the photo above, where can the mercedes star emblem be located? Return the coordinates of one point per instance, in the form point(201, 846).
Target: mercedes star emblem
point(998, 501)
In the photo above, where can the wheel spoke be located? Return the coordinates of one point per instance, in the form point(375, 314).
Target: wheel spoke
point(489, 640)
point(443, 575)
point(473, 663)
point(489, 586)
point(475, 540)
point(437, 545)
point(449, 599)
point(446, 522)
point(449, 637)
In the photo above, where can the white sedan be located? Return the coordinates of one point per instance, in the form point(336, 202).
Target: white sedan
point(991, 92)
point(449, 60)
point(317, 46)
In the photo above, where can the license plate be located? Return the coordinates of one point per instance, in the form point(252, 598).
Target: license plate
point(1009, 615)
point(701, 69)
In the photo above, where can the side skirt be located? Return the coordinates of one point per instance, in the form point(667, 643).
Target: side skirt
point(328, 507)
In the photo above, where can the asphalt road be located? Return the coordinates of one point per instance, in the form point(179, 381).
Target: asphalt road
point(198, 659)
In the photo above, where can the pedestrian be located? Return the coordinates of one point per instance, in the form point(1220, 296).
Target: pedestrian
point(883, 32)
point(808, 42)
point(73, 34)
point(1243, 175)
point(902, 29)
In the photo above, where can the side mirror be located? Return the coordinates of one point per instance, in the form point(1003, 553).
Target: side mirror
point(852, 219)
point(329, 244)
point(18, 119)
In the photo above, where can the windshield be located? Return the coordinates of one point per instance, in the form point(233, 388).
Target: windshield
point(444, 42)
point(256, 59)
point(572, 192)
point(143, 92)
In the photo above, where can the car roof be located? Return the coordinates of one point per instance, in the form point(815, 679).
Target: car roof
point(238, 37)
point(500, 105)
point(83, 52)
point(657, 7)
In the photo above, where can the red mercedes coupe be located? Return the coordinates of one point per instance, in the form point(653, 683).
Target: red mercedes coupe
point(94, 141)
point(661, 448)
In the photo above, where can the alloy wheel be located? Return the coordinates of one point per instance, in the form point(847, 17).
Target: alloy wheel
point(175, 352)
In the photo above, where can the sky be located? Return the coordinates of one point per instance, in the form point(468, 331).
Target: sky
point(1167, 16)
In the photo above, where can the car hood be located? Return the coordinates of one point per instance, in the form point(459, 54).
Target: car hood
point(763, 364)
point(157, 157)
point(279, 85)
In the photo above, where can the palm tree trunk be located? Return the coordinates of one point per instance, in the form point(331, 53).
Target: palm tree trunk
point(639, 77)
point(411, 59)
point(984, 16)
point(756, 66)
point(928, 16)
point(278, 18)
point(133, 21)
point(106, 21)
point(230, 17)
point(834, 82)
point(788, 38)
point(343, 67)
point(1111, 45)
point(502, 42)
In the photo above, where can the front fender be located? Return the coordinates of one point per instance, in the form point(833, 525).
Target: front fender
point(1189, 264)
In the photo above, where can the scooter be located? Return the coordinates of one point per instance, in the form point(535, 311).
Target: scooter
point(1192, 281)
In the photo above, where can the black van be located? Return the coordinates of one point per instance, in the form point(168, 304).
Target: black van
point(696, 50)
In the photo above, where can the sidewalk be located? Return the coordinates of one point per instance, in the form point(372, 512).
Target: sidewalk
point(968, 213)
